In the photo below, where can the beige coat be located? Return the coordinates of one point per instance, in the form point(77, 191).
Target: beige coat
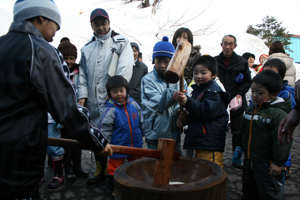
point(290, 74)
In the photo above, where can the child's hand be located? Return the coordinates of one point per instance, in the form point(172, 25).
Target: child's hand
point(181, 118)
point(180, 97)
point(274, 170)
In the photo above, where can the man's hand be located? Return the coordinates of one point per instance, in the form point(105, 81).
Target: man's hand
point(238, 96)
point(287, 126)
point(81, 102)
point(107, 151)
point(274, 170)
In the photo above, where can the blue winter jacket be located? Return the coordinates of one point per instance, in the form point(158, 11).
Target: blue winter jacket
point(123, 124)
point(207, 118)
point(287, 92)
point(159, 107)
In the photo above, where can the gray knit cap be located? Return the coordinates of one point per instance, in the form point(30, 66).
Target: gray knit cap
point(26, 9)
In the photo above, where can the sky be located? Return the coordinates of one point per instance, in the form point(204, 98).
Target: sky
point(209, 21)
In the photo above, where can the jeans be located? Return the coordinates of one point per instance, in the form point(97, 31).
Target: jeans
point(54, 152)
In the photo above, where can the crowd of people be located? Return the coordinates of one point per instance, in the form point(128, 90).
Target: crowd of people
point(110, 98)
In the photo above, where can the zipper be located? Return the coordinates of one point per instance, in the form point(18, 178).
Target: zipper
point(250, 134)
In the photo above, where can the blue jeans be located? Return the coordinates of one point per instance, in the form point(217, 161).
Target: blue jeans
point(53, 151)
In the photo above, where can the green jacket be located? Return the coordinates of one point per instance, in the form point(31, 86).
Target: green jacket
point(258, 136)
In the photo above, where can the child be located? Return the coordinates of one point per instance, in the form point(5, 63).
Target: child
point(159, 107)
point(33, 74)
point(286, 92)
point(207, 119)
point(72, 158)
point(264, 156)
point(122, 123)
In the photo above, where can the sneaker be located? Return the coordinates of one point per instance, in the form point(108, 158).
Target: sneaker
point(96, 179)
point(56, 182)
point(238, 166)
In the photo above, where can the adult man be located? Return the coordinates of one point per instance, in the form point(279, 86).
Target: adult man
point(234, 74)
point(139, 71)
point(33, 82)
point(106, 54)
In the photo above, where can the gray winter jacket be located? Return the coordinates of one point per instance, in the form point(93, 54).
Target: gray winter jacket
point(159, 108)
point(96, 57)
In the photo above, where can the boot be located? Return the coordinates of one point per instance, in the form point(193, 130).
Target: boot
point(110, 185)
point(100, 174)
point(58, 178)
point(70, 176)
point(76, 159)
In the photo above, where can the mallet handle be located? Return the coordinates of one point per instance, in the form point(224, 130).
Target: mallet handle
point(63, 142)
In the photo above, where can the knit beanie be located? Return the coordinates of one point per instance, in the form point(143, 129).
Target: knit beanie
point(133, 44)
point(163, 48)
point(26, 9)
point(67, 49)
point(247, 55)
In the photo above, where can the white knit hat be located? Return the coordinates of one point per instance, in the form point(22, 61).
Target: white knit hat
point(26, 9)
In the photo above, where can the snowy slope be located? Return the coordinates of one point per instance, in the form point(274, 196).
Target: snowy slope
point(145, 28)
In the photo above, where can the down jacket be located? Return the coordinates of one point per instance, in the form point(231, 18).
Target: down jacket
point(159, 108)
point(258, 136)
point(95, 60)
point(207, 119)
point(123, 124)
point(32, 83)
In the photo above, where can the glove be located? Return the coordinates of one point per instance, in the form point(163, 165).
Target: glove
point(236, 159)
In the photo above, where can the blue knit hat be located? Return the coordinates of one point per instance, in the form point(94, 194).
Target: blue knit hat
point(26, 9)
point(163, 48)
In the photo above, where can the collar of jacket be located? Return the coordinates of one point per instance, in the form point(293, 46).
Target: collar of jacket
point(25, 27)
point(112, 103)
point(234, 59)
point(202, 85)
point(102, 37)
point(158, 76)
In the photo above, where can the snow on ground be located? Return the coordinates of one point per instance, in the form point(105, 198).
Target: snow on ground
point(145, 28)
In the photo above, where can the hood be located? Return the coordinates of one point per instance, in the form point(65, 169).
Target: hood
point(278, 102)
point(25, 27)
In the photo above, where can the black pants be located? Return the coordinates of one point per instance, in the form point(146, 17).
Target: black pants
point(258, 184)
point(235, 126)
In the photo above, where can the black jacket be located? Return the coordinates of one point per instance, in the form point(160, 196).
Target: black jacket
point(208, 117)
point(139, 71)
point(228, 75)
point(33, 82)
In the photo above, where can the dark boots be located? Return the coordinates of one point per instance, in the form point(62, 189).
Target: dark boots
point(100, 174)
point(76, 158)
point(70, 176)
point(58, 177)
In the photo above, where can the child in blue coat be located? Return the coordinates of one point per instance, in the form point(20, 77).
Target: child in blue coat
point(122, 123)
point(207, 118)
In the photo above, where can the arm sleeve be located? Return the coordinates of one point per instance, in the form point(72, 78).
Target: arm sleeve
point(126, 62)
point(82, 83)
point(246, 84)
point(107, 123)
point(280, 152)
point(207, 109)
point(56, 94)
